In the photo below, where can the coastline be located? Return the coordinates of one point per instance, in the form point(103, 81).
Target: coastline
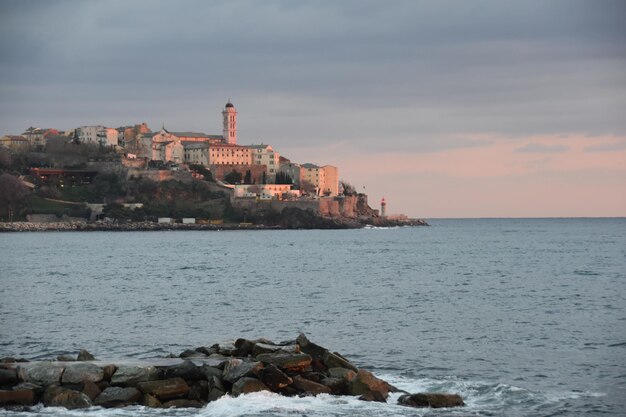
point(78, 226)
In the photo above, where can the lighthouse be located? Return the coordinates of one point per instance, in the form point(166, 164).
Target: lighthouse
point(383, 208)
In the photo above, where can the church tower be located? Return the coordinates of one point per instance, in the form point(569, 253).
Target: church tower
point(230, 123)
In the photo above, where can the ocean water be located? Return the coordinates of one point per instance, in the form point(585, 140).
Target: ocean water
point(522, 317)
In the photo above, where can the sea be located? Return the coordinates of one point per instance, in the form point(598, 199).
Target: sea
point(521, 317)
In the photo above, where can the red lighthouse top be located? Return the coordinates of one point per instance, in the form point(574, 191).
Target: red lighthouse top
point(383, 202)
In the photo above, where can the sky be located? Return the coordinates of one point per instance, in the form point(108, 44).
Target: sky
point(446, 108)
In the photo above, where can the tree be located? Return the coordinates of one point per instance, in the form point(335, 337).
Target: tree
point(13, 193)
point(202, 170)
point(308, 187)
point(233, 177)
point(247, 179)
point(348, 189)
point(264, 178)
point(283, 178)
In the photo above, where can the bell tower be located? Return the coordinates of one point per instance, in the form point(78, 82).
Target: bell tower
point(230, 123)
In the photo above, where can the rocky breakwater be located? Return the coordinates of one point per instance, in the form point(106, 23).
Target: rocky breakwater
point(197, 377)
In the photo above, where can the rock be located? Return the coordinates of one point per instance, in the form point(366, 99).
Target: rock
point(211, 371)
point(69, 399)
point(373, 396)
point(192, 353)
point(165, 389)
point(215, 394)
point(182, 403)
point(236, 369)
point(260, 347)
point(66, 358)
point(245, 347)
point(133, 375)
point(198, 390)
point(51, 392)
point(186, 370)
point(365, 381)
point(37, 389)
point(79, 372)
point(247, 385)
point(8, 377)
point(118, 397)
point(208, 351)
point(431, 399)
point(299, 362)
point(274, 378)
point(216, 388)
point(342, 373)
point(41, 373)
point(83, 355)
point(338, 386)
point(150, 401)
point(228, 349)
point(21, 396)
point(309, 387)
point(306, 346)
point(108, 370)
point(334, 360)
point(91, 390)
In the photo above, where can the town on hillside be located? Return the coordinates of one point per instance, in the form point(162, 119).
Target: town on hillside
point(131, 173)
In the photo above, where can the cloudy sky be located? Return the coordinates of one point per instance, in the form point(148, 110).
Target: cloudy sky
point(446, 108)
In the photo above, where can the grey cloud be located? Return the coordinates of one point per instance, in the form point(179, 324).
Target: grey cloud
point(448, 67)
point(607, 147)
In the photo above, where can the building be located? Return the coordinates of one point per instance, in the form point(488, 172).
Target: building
point(229, 154)
point(37, 136)
point(126, 135)
point(265, 191)
point(99, 135)
point(196, 153)
point(324, 179)
point(14, 142)
point(265, 155)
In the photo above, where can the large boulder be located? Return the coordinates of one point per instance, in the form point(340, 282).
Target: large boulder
point(335, 360)
point(364, 382)
point(80, 372)
point(338, 386)
point(133, 375)
point(341, 373)
point(118, 397)
point(165, 389)
point(69, 399)
point(299, 362)
point(306, 346)
point(216, 388)
point(8, 377)
point(247, 385)
point(84, 355)
point(91, 390)
point(431, 399)
point(274, 378)
point(41, 373)
point(187, 370)
point(309, 387)
point(236, 369)
point(21, 397)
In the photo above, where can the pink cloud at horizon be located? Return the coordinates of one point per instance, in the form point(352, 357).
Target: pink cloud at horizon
point(535, 176)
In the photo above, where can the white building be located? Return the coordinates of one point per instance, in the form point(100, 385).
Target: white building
point(265, 155)
point(105, 136)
